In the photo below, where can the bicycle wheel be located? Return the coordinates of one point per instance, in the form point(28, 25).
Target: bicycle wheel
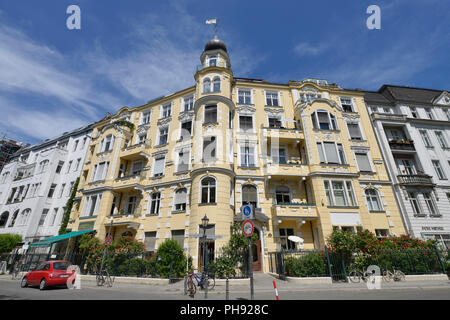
point(191, 287)
point(354, 276)
point(399, 276)
point(211, 283)
point(386, 276)
point(100, 280)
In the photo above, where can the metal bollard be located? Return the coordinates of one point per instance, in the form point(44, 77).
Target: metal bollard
point(227, 290)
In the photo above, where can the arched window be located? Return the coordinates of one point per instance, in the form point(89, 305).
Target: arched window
point(373, 201)
point(13, 220)
point(249, 195)
point(24, 217)
point(4, 219)
point(282, 195)
point(216, 84)
point(324, 120)
point(206, 85)
point(208, 190)
point(180, 199)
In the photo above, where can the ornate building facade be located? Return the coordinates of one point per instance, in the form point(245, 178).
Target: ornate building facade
point(303, 153)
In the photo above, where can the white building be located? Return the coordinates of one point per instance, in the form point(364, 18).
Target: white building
point(412, 126)
point(36, 184)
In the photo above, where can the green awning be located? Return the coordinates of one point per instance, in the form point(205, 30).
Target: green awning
point(62, 237)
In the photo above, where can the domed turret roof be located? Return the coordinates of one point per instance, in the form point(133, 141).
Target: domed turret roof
point(215, 44)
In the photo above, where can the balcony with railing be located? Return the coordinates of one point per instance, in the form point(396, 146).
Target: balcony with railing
point(288, 131)
point(216, 64)
point(415, 179)
point(294, 210)
point(402, 145)
point(136, 151)
point(290, 167)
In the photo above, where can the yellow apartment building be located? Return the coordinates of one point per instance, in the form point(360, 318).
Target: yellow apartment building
point(303, 153)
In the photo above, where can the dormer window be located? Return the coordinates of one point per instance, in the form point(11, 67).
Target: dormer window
point(324, 120)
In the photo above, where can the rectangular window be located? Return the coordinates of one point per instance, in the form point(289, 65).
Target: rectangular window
point(347, 104)
point(163, 135)
point(158, 168)
point(244, 96)
point(425, 138)
point(59, 167)
point(272, 99)
point(178, 235)
point(180, 200)
point(246, 123)
point(331, 152)
point(279, 156)
point(363, 162)
point(61, 191)
point(51, 191)
point(440, 137)
point(155, 203)
point(166, 110)
point(131, 205)
point(274, 122)
point(68, 166)
point(248, 156)
point(429, 113)
point(146, 117)
point(413, 112)
point(43, 217)
point(211, 114)
point(183, 161)
point(438, 169)
point(75, 146)
point(353, 129)
point(339, 193)
point(150, 241)
point(341, 153)
point(350, 194)
point(186, 130)
point(431, 205)
point(321, 155)
point(188, 103)
point(78, 164)
point(136, 168)
point(414, 203)
point(55, 213)
point(285, 242)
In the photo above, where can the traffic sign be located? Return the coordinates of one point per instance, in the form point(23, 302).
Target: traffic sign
point(108, 240)
point(248, 228)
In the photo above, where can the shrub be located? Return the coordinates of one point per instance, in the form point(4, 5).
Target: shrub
point(171, 260)
point(308, 265)
point(9, 242)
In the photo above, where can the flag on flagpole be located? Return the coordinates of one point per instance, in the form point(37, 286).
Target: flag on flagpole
point(211, 21)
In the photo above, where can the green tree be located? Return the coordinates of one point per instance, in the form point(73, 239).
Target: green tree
point(171, 260)
point(9, 242)
point(69, 204)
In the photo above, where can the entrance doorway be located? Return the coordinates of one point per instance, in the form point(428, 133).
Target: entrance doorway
point(209, 254)
point(256, 253)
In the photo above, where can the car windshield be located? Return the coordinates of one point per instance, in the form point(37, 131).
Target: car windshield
point(60, 265)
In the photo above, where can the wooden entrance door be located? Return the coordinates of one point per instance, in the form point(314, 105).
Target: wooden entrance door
point(256, 254)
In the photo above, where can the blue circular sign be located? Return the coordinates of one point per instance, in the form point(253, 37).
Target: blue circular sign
point(247, 211)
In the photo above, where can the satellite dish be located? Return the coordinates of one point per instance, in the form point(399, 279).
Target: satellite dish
point(296, 239)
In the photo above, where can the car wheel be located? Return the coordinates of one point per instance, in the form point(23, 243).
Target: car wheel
point(24, 282)
point(42, 285)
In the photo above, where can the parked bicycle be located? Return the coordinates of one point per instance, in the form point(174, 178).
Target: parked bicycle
point(396, 276)
point(17, 269)
point(355, 276)
point(202, 279)
point(104, 278)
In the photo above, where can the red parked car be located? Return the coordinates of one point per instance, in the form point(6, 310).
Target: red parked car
point(48, 273)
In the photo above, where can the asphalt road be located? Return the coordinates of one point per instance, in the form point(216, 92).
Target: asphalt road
point(11, 290)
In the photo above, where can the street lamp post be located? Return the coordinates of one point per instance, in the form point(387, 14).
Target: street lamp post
point(205, 222)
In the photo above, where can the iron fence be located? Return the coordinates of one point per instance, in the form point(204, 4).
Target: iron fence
point(337, 265)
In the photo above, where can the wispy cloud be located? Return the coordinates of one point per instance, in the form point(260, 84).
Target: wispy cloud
point(307, 49)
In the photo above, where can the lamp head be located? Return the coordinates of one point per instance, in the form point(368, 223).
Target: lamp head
point(205, 221)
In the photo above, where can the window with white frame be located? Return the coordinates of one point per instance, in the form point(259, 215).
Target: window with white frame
point(339, 193)
point(331, 152)
point(272, 99)
point(77, 164)
point(216, 84)
point(183, 160)
point(275, 122)
point(250, 195)
point(279, 155)
point(363, 161)
point(178, 236)
point(324, 120)
point(51, 191)
point(208, 190)
point(429, 113)
point(150, 241)
point(158, 167)
point(447, 113)
point(354, 131)
point(347, 104)
point(61, 191)
point(166, 110)
point(246, 123)
point(4, 177)
point(413, 112)
point(441, 139)
point(210, 114)
point(431, 204)
point(186, 130)
point(425, 138)
point(285, 233)
point(163, 135)
point(188, 102)
point(373, 200)
point(417, 209)
point(142, 138)
point(54, 215)
point(180, 199)
point(155, 203)
point(60, 166)
point(75, 145)
point(136, 167)
point(282, 195)
point(244, 96)
point(107, 143)
point(438, 169)
point(247, 155)
point(212, 60)
point(206, 85)
point(43, 217)
point(145, 117)
point(100, 171)
point(92, 204)
point(43, 165)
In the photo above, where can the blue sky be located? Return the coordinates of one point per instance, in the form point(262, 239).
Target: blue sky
point(53, 79)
